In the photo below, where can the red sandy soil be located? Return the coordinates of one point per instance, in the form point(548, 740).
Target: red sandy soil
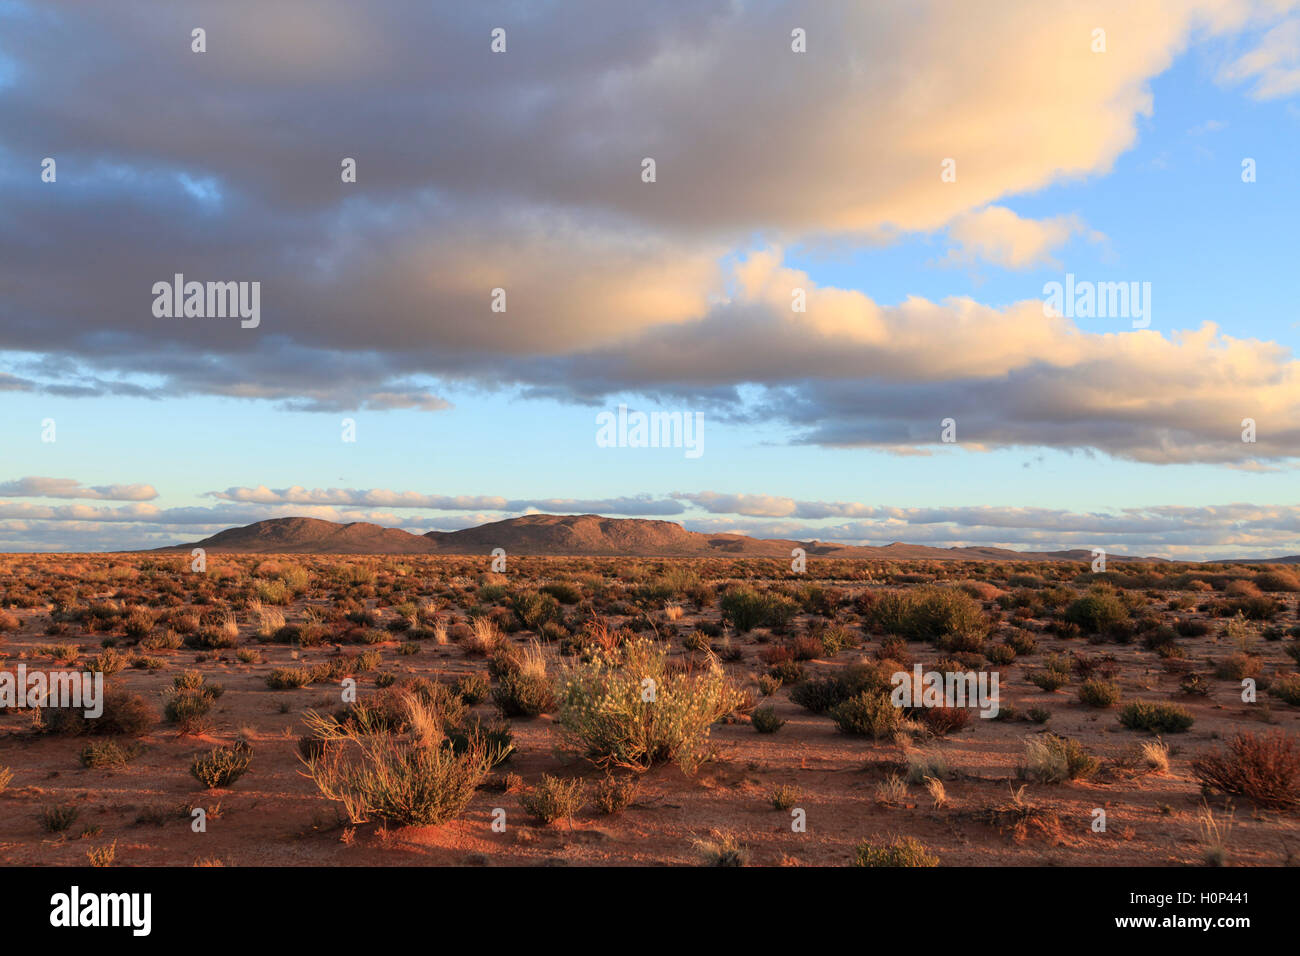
point(274, 815)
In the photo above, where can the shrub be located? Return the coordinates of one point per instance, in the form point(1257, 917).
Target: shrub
point(1277, 581)
point(102, 855)
point(765, 720)
point(108, 663)
point(614, 794)
point(722, 849)
point(1023, 642)
point(747, 609)
point(818, 694)
point(929, 763)
point(554, 799)
point(1055, 759)
point(288, 678)
point(534, 609)
point(930, 614)
point(1097, 612)
point(1287, 689)
point(1099, 693)
point(422, 781)
point(901, 851)
point(520, 694)
point(1264, 768)
point(124, 713)
point(472, 688)
point(188, 709)
point(1050, 680)
point(942, 721)
point(563, 591)
point(222, 767)
point(834, 638)
point(1237, 666)
point(624, 707)
point(523, 688)
point(1194, 685)
point(106, 753)
point(785, 797)
point(1157, 718)
point(1001, 654)
point(56, 819)
point(868, 714)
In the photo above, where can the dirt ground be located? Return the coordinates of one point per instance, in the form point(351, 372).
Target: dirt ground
point(275, 815)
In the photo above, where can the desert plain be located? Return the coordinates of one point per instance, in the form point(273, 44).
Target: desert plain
point(1120, 694)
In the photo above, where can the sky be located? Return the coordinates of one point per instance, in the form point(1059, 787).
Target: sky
point(840, 266)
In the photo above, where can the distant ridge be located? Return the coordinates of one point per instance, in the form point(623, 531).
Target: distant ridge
point(589, 535)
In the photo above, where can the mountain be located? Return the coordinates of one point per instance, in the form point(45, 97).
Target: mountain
point(312, 536)
point(593, 535)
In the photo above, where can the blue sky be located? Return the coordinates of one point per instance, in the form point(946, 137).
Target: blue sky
point(1166, 205)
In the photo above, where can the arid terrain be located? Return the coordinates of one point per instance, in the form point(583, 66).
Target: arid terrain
point(479, 691)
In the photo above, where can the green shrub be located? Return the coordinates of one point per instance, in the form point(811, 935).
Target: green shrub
point(554, 799)
point(1055, 759)
point(932, 613)
point(624, 707)
point(615, 794)
point(901, 851)
point(1097, 612)
point(1049, 679)
point(288, 678)
point(472, 688)
point(106, 753)
point(124, 713)
point(56, 819)
point(818, 694)
point(534, 609)
point(521, 694)
point(868, 714)
point(222, 767)
point(1157, 718)
point(1095, 692)
point(423, 781)
point(1287, 689)
point(765, 720)
point(722, 849)
point(188, 710)
point(747, 609)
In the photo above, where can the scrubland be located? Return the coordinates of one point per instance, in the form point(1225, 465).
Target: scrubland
point(613, 711)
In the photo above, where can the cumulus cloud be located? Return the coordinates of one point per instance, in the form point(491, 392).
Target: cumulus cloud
point(523, 173)
point(36, 487)
point(997, 235)
point(852, 372)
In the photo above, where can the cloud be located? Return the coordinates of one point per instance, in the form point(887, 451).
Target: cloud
point(853, 373)
point(380, 497)
point(522, 172)
point(1183, 532)
point(34, 487)
point(997, 235)
point(1273, 65)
